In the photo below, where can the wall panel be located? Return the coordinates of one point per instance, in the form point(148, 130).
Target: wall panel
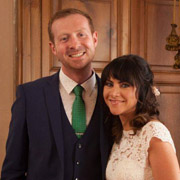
point(150, 26)
point(7, 69)
point(104, 15)
point(169, 112)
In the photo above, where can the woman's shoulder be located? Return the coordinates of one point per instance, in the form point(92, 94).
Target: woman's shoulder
point(158, 130)
point(155, 124)
point(155, 128)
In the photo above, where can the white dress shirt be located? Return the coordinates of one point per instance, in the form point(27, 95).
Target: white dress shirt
point(89, 95)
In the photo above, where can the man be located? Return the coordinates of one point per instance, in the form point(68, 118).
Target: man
point(43, 143)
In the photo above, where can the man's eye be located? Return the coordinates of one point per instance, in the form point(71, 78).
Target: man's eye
point(63, 39)
point(81, 34)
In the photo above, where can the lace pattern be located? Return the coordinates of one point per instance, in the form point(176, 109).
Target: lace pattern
point(129, 158)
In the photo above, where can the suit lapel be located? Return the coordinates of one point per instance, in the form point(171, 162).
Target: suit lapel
point(53, 103)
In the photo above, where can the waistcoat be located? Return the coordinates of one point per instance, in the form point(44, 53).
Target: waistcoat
point(82, 159)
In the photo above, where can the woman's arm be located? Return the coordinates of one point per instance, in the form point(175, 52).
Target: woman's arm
point(163, 160)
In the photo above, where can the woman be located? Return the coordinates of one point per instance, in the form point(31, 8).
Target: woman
point(143, 148)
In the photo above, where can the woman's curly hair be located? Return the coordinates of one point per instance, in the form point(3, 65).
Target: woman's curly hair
point(136, 71)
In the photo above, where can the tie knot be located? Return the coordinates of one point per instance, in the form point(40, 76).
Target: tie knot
point(78, 90)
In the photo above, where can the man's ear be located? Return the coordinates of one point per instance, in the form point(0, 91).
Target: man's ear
point(52, 46)
point(95, 38)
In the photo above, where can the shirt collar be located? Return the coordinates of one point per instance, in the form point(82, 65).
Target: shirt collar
point(69, 84)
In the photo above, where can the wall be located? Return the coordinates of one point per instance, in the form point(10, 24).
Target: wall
point(6, 70)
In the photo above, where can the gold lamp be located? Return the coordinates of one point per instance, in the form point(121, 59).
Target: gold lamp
point(173, 40)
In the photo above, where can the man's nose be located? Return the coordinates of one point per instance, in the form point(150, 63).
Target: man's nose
point(74, 42)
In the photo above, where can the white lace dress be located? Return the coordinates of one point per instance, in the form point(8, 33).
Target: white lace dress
point(129, 159)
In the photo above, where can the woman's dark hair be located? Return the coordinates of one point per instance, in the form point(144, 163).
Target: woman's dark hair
point(136, 71)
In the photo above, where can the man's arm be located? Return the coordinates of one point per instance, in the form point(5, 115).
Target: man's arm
point(16, 159)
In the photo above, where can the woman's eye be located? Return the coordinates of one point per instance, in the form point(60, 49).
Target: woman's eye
point(109, 84)
point(125, 85)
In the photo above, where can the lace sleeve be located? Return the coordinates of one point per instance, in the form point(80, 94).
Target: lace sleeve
point(158, 130)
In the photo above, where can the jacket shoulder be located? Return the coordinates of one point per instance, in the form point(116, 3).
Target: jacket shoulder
point(39, 84)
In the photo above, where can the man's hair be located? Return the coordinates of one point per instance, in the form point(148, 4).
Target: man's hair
point(64, 13)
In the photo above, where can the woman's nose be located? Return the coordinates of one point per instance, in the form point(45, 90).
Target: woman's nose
point(115, 92)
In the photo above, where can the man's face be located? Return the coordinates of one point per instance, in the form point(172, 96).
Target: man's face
point(74, 44)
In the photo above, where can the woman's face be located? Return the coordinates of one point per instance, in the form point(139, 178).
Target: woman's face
point(120, 97)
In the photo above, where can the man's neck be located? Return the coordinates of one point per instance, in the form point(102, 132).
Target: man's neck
point(79, 76)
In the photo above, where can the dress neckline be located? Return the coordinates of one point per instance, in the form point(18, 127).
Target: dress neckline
point(127, 133)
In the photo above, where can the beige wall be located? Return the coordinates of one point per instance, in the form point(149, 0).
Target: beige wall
point(6, 70)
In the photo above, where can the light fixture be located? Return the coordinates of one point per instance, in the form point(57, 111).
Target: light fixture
point(173, 40)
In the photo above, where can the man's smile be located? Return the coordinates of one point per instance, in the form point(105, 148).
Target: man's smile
point(77, 55)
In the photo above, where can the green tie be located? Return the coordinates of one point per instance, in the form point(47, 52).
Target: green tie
point(78, 112)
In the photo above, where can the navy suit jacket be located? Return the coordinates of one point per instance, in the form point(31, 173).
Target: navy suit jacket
point(35, 138)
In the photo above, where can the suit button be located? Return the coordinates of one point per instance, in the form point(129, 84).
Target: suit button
point(77, 179)
point(79, 146)
point(77, 162)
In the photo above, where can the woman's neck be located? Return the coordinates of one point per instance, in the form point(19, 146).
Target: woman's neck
point(125, 120)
